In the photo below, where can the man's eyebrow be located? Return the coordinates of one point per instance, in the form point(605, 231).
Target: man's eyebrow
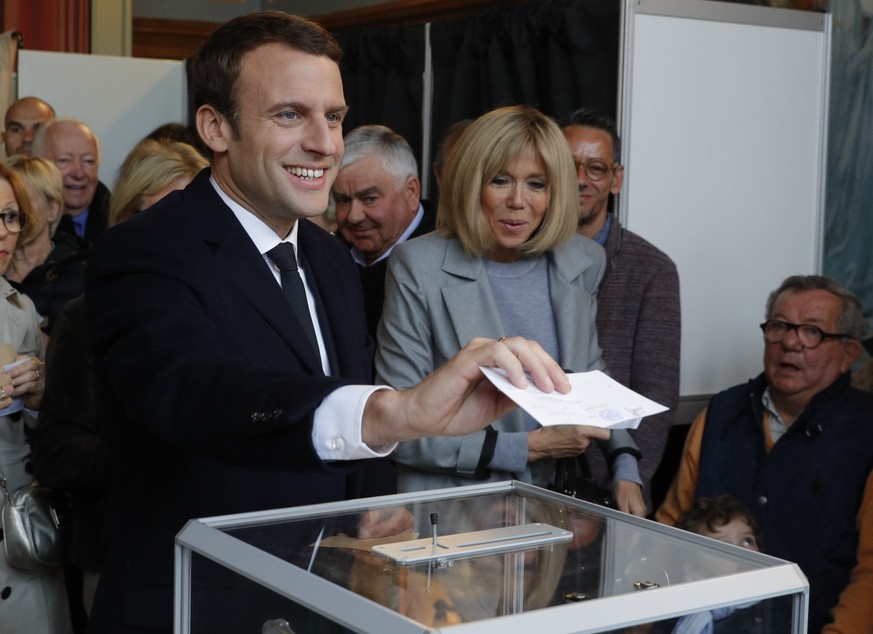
point(303, 107)
point(812, 321)
point(369, 191)
point(286, 105)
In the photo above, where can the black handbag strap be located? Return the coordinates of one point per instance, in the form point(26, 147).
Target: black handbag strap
point(573, 477)
point(584, 467)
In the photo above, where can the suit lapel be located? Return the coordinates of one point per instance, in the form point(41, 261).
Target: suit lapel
point(568, 303)
point(473, 312)
point(238, 261)
point(469, 303)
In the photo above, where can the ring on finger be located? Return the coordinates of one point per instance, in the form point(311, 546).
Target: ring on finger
point(36, 372)
point(3, 395)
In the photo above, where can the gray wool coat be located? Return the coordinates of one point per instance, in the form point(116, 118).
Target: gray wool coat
point(437, 298)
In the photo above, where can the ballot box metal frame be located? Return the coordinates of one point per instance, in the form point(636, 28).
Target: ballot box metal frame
point(765, 577)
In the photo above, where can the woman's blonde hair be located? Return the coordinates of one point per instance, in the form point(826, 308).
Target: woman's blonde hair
point(43, 177)
point(150, 167)
point(484, 150)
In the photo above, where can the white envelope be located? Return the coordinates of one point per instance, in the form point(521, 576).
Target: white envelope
point(595, 399)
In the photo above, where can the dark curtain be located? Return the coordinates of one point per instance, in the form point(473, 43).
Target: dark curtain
point(558, 55)
point(383, 79)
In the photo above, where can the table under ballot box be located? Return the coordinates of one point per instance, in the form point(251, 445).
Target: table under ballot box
point(504, 557)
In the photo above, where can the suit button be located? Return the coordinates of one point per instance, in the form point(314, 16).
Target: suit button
point(337, 443)
point(762, 500)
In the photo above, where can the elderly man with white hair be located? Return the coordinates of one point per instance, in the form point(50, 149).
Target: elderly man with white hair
point(378, 205)
point(75, 149)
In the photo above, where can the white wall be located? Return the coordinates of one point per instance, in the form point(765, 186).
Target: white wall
point(121, 98)
point(724, 116)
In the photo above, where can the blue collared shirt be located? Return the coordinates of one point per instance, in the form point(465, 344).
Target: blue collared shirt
point(603, 234)
point(79, 223)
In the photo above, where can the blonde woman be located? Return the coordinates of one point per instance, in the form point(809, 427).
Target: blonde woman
point(505, 261)
point(151, 170)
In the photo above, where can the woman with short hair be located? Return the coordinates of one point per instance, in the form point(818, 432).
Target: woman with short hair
point(505, 261)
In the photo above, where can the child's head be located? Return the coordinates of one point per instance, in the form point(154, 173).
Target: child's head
point(723, 518)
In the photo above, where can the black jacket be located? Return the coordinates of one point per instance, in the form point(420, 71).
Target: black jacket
point(98, 217)
point(206, 387)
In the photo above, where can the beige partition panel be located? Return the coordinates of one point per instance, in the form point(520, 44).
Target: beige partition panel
point(121, 98)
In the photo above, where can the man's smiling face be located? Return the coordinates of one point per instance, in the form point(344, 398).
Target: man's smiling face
point(69, 146)
point(281, 161)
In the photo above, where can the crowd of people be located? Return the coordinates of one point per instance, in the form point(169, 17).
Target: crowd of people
point(195, 343)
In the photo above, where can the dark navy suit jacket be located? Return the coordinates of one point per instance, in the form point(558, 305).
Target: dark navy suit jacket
point(206, 386)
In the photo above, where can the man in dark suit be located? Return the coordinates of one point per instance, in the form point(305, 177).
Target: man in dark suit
point(377, 196)
point(212, 397)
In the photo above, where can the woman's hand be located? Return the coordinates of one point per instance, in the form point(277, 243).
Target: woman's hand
point(629, 497)
point(562, 441)
point(6, 390)
point(25, 381)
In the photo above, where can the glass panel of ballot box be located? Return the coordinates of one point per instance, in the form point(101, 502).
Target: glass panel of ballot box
point(503, 557)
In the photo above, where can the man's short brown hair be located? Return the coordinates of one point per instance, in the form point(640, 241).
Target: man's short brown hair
point(218, 62)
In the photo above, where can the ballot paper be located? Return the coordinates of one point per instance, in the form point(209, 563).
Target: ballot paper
point(595, 399)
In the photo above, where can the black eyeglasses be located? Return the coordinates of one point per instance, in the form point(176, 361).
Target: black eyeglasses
point(808, 335)
point(14, 221)
point(596, 169)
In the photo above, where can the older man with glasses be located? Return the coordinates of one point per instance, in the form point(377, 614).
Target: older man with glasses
point(794, 445)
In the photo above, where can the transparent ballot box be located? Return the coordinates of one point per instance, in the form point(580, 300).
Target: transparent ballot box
point(503, 557)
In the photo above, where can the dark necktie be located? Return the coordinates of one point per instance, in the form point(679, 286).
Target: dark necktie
point(285, 261)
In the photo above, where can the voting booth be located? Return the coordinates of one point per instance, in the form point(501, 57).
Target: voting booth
point(502, 557)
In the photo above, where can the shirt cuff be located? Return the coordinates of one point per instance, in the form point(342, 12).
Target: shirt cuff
point(626, 467)
point(336, 428)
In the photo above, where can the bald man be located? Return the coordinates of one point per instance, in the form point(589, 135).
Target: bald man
point(23, 119)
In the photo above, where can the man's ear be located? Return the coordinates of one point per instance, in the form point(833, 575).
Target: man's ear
point(213, 128)
point(853, 351)
point(617, 180)
point(413, 192)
